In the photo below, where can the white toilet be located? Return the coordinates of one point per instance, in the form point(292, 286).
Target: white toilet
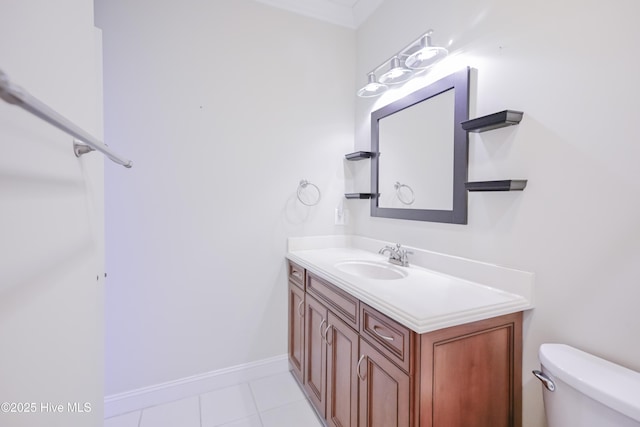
point(582, 390)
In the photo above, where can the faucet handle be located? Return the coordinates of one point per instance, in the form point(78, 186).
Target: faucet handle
point(402, 250)
point(404, 256)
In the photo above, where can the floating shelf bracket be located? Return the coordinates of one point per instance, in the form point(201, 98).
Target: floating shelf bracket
point(359, 155)
point(490, 122)
point(493, 121)
point(355, 156)
point(359, 195)
point(504, 185)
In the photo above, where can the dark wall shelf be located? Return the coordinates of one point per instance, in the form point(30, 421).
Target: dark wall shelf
point(359, 155)
point(504, 185)
point(355, 156)
point(359, 195)
point(490, 122)
point(493, 121)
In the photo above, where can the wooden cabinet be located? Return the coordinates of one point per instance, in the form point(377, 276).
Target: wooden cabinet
point(296, 330)
point(296, 274)
point(472, 374)
point(331, 352)
point(361, 368)
point(342, 381)
point(385, 393)
point(315, 376)
point(390, 337)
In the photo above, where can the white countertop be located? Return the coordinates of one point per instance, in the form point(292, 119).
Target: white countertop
point(426, 299)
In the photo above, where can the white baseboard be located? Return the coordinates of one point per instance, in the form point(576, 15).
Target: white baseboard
point(134, 400)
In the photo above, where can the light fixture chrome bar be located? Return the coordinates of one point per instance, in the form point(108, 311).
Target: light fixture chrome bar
point(16, 95)
point(402, 52)
point(411, 59)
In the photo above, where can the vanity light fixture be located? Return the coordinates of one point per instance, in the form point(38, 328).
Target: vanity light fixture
point(418, 55)
point(397, 74)
point(373, 88)
point(426, 55)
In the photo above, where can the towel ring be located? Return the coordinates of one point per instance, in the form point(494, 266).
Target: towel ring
point(301, 187)
point(404, 198)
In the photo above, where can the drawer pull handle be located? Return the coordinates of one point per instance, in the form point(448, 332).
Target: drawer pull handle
point(384, 337)
point(325, 334)
point(296, 273)
point(322, 323)
point(300, 313)
point(358, 368)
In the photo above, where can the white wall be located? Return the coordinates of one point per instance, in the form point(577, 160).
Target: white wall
point(572, 68)
point(224, 107)
point(51, 218)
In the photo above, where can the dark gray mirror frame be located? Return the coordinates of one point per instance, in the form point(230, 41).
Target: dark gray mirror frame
point(458, 215)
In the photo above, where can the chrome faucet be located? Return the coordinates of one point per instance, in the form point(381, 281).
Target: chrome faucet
point(397, 254)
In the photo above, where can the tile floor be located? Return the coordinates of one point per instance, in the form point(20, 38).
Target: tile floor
point(274, 401)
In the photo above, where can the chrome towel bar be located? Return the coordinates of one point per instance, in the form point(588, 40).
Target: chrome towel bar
point(16, 95)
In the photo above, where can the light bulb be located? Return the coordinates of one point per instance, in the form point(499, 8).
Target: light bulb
point(397, 74)
point(373, 88)
point(426, 56)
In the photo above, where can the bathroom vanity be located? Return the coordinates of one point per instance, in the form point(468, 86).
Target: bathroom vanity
point(394, 348)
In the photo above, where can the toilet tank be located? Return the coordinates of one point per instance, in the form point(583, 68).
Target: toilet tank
point(589, 391)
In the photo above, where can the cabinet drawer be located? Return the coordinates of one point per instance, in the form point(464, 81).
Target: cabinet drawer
point(388, 336)
point(296, 274)
point(341, 303)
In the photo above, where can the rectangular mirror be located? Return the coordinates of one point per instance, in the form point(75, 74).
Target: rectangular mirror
point(421, 153)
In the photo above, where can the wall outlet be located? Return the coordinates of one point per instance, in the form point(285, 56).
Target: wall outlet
point(341, 216)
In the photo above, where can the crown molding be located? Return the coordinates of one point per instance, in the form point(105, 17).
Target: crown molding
point(363, 9)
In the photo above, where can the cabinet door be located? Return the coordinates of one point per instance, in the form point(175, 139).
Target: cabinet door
point(384, 390)
point(315, 375)
point(342, 382)
point(296, 331)
point(472, 374)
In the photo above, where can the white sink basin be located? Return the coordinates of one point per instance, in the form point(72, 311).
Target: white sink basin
point(371, 270)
